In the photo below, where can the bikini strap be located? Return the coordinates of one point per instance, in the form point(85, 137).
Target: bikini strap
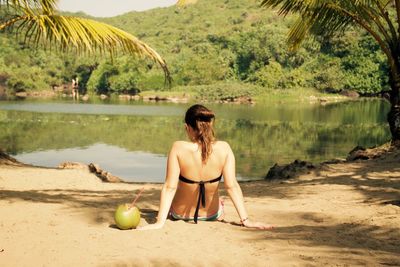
point(186, 180)
point(202, 192)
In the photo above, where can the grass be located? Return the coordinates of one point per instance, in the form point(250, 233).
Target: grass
point(222, 91)
point(297, 95)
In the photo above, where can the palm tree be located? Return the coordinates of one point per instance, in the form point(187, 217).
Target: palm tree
point(380, 18)
point(42, 25)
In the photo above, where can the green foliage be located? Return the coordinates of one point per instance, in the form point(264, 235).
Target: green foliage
point(41, 24)
point(222, 91)
point(123, 82)
point(330, 78)
point(212, 42)
point(26, 69)
point(269, 75)
point(151, 81)
point(99, 80)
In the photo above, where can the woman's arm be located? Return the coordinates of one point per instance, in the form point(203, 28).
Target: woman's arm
point(168, 189)
point(235, 192)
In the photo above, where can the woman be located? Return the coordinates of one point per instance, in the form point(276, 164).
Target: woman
point(194, 170)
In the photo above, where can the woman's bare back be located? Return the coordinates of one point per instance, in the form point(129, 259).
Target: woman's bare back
point(193, 173)
point(192, 168)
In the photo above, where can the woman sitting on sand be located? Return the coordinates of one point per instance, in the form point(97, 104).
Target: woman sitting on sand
point(194, 170)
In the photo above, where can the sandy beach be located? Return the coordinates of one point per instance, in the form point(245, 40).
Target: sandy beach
point(343, 214)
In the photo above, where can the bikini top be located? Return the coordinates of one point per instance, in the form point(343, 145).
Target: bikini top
point(202, 192)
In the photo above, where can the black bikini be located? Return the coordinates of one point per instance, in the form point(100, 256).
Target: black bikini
point(202, 192)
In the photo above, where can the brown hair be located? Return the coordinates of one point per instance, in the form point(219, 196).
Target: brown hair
point(200, 119)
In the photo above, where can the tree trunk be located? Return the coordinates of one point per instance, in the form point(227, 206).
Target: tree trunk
point(394, 113)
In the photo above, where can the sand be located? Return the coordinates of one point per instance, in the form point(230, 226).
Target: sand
point(343, 214)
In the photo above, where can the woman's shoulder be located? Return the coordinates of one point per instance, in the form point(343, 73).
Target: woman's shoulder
point(222, 145)
point(181, 145)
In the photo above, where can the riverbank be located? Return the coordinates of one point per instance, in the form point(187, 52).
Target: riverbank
point(339, 214)
point(223, 93)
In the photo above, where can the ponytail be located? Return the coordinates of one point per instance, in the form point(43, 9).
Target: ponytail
point(200, 119)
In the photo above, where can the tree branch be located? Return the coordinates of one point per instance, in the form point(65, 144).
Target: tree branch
point(385, 15)
point(373, 17)
point(382, 44)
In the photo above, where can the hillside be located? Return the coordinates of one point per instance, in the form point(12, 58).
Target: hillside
point(209, 42)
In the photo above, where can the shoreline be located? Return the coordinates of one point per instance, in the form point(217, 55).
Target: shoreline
point(184, 97)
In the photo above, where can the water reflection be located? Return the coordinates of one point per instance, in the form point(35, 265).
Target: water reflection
point(133, 166)
point(119, 137)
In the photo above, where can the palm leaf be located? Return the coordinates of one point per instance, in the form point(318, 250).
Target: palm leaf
point(41, 24)
point(328, 16)
point(31, 6)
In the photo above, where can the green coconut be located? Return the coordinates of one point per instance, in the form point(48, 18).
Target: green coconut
point(127, 217)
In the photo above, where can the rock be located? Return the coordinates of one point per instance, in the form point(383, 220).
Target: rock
point(334, 161)
point(244, 100)
point(288, 171)
point(102, 96)
point(5, 159)
point(85, 97)
point(364, 154)
point(350, 93)
point(103, 175)
point(125, 97)
point(93, 168)
point(159, 98)
point(178, 100)
point(237, 100)
point(73, 165)
point(386, 96)
point(21, 94)
point(358, 152)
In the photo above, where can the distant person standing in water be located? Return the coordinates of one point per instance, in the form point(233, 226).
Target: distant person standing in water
point(75, 88)
point(194, 170)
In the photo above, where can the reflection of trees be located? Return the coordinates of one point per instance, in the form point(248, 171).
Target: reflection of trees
point(257, 144)
point(26, 132)
point(261, 144)
point(360, 111)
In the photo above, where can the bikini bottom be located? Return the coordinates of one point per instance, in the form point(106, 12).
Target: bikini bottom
point(213, 217)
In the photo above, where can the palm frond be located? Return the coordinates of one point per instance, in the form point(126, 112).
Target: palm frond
point(39, 21)
point(86, 35)
point(31, 6)
point(328, 16)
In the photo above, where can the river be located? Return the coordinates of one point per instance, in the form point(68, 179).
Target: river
point(131, 140)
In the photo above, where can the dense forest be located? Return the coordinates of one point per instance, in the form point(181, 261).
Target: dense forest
point(232, 45)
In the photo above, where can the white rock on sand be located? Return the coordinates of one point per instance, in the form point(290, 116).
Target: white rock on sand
point(344, 214)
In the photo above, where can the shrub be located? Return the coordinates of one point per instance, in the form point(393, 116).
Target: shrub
point(123, 82)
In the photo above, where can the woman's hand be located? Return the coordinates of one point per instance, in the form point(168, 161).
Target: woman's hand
point(153, 226)
point(257, 225)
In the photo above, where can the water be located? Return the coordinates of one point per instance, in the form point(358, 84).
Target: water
point(132, 140)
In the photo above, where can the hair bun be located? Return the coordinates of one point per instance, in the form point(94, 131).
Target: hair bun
point(205, 116)
point(198, 113)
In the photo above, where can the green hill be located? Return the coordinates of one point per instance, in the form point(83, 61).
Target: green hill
point(212, 41)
